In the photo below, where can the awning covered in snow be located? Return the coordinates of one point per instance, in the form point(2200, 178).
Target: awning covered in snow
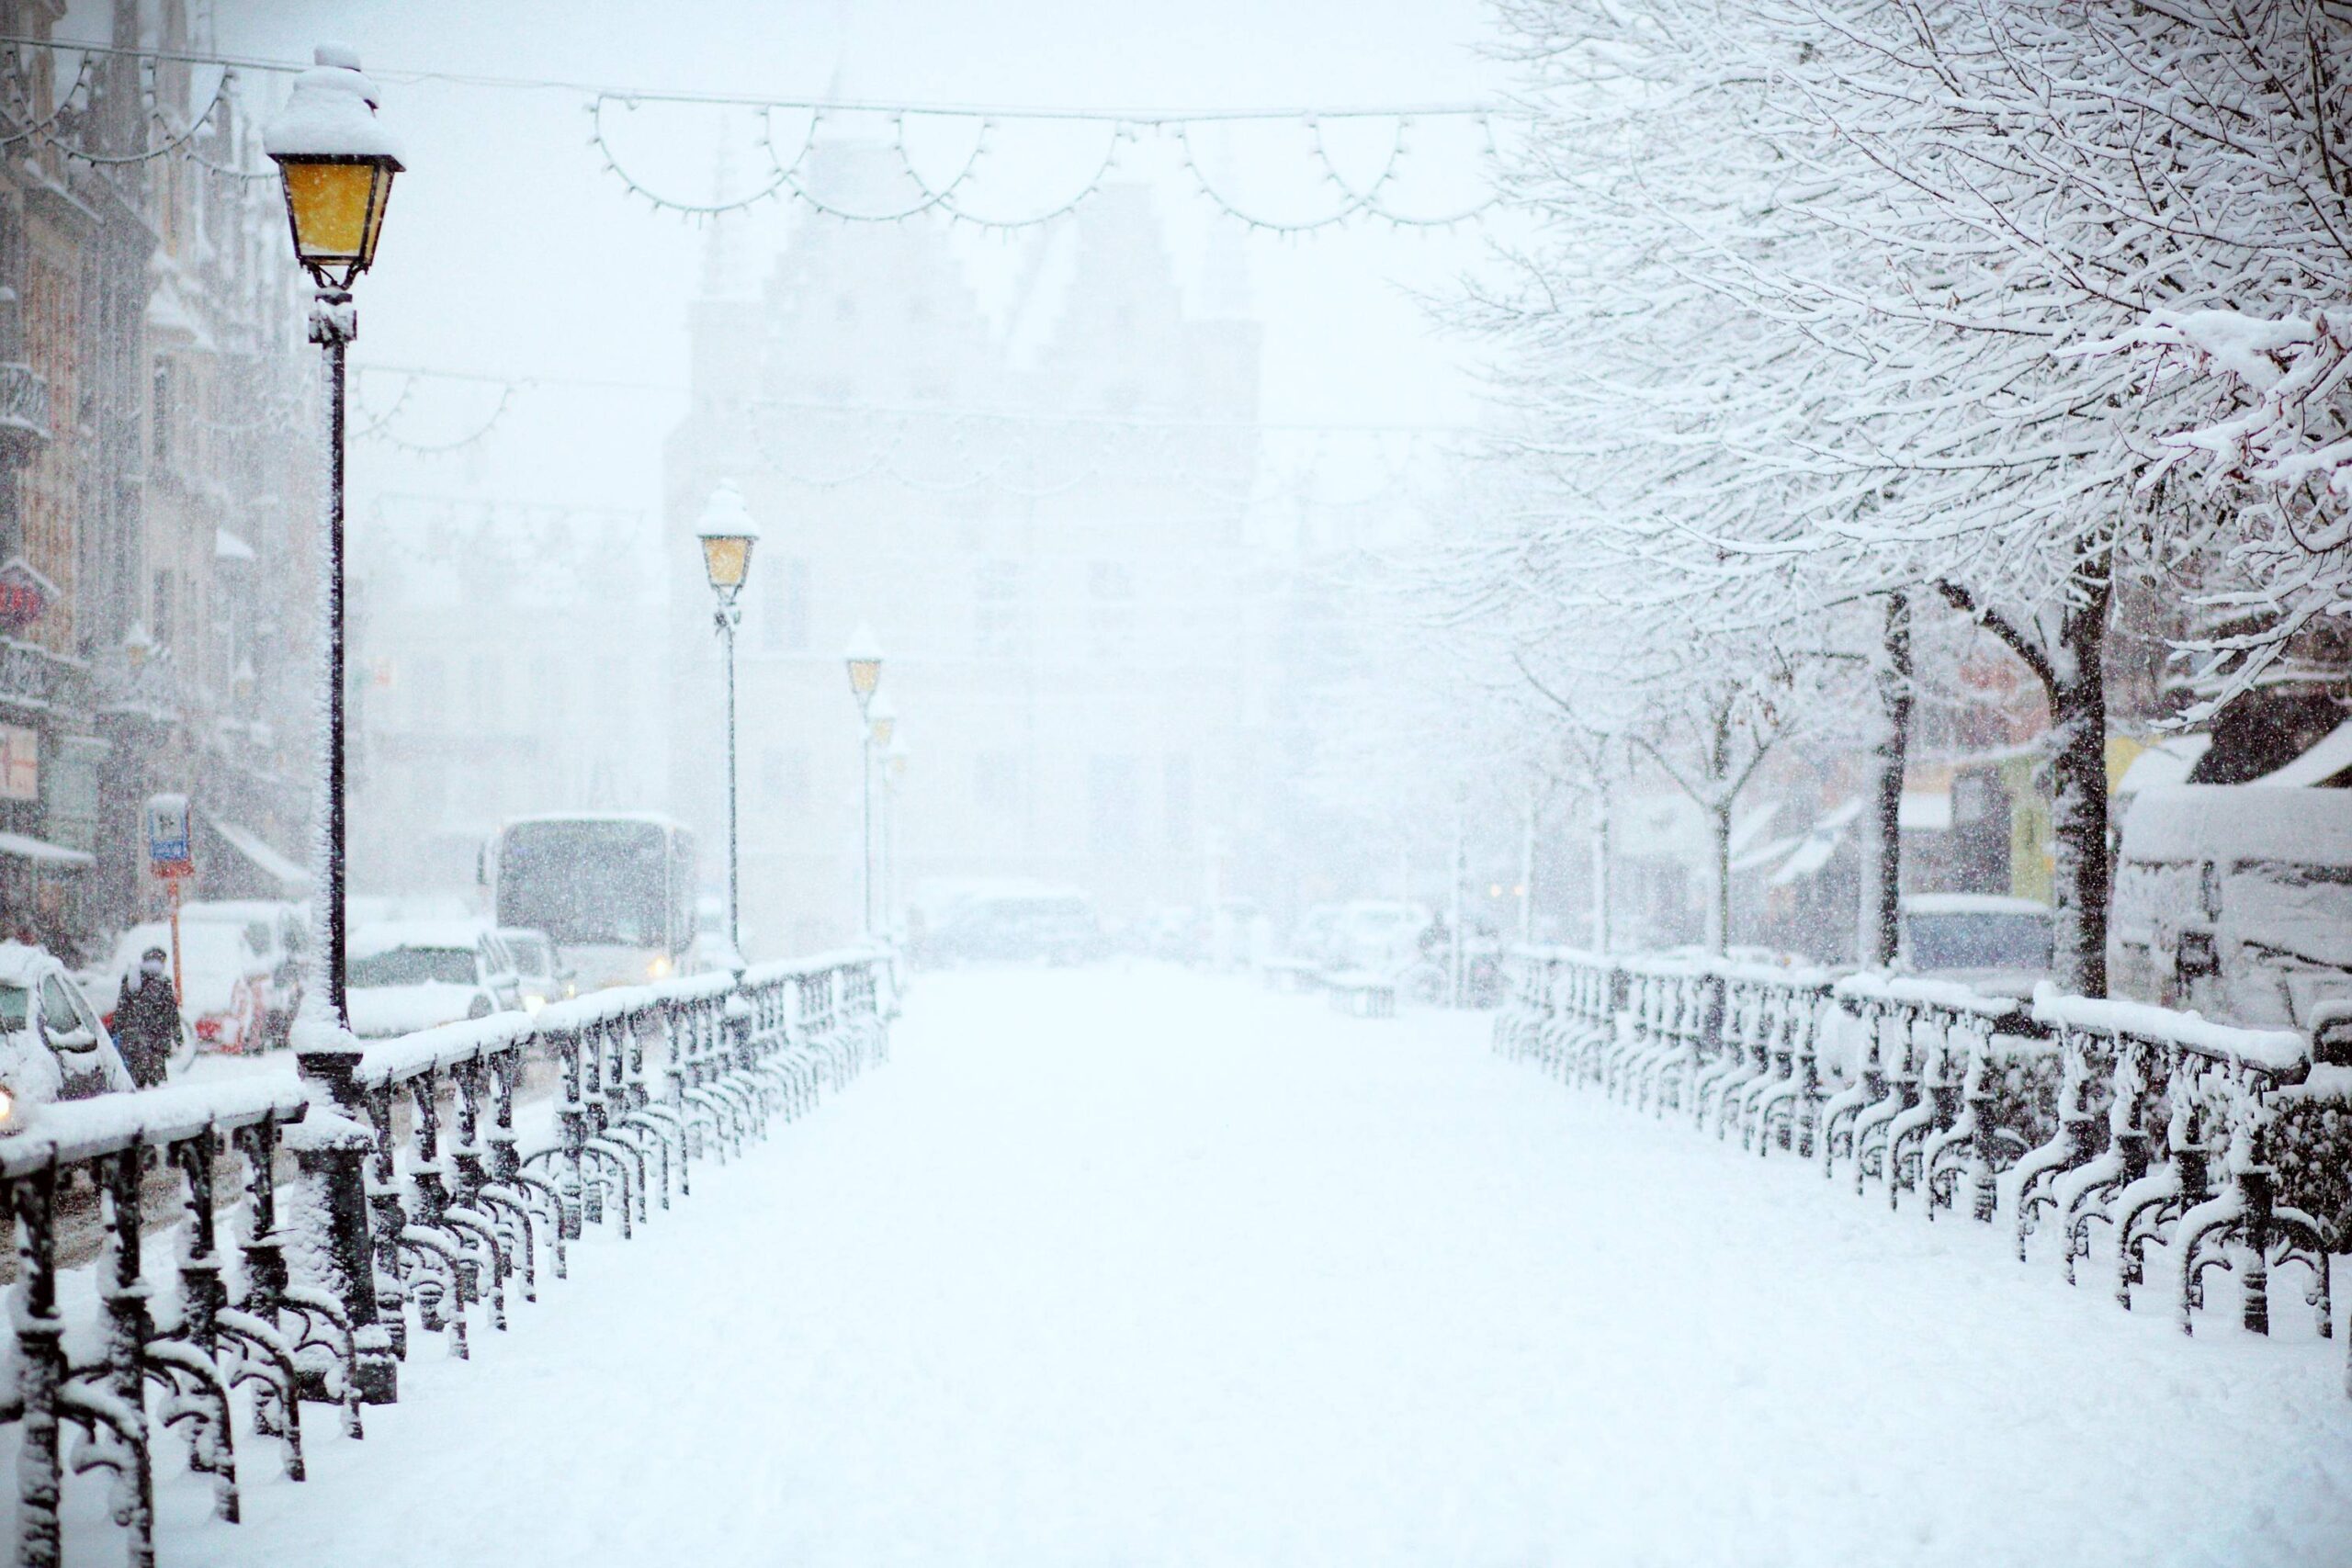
point(2331, 756)
point(291, 879)
point(50, 857)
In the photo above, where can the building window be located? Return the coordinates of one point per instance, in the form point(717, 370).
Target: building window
point(999, 626)
point(160, 627)
point(1176, 802)
point(784, 778)
point(1111, 609)
point(998, 785)
point(785, 625)
point(162, 413)
point(1110, 797)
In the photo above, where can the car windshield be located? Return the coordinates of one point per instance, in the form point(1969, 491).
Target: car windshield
point(1980, 941)
point(15, 1000)
point(414, 966)
point(531, 956)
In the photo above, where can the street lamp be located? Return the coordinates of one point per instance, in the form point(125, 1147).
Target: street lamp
point(881, 722)
point(727, 535)
point(336, 161)
point(863, 658)
point(894, 763)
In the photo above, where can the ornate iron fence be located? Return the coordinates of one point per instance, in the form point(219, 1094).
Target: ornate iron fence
point(2120, 1134)
point(474, 1186)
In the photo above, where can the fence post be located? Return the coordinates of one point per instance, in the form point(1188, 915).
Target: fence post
point(334, 1158)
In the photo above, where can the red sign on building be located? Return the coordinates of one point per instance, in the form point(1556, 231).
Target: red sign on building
point(25, 595)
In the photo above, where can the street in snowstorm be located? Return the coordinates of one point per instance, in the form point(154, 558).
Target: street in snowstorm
point(1102, 782)
point(1135, 1265)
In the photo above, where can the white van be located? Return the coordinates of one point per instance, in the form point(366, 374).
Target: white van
point(2235, 901)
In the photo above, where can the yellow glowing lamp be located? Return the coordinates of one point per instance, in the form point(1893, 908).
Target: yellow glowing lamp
point(883, 715)
point(727, 535)
point(864, 658)
point(337, 162)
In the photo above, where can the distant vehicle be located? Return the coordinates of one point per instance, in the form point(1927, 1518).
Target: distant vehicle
point(1382, 937)
point(2235, 901)
point(1995, 943)
point(411, 974)
point(614, 890)
point(1315, 936)
point(52, 1045)
point(541, 976)
point(280, 933)
point(1049, 927)
point(225, 979)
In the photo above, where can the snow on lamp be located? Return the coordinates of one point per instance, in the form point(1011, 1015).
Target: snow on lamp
point(727, 535)
point(337, 162)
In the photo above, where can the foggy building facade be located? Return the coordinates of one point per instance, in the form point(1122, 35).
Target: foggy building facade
point(1058, 581)
point(159, 482)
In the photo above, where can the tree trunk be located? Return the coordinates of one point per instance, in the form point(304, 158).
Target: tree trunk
point(2078, 788)
point(1600, 870)
point(1882, 889)
point(1719, 905)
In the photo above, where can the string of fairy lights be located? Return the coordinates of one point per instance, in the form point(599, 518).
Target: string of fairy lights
point(789, 126)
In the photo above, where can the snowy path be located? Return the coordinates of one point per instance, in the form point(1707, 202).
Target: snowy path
point(1141, 1268)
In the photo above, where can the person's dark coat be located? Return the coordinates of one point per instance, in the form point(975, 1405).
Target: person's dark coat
point(147, 1028)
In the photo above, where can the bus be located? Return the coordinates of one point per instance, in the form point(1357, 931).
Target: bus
point(615, 890)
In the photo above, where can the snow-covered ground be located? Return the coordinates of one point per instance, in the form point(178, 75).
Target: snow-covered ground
point(1114, 1266)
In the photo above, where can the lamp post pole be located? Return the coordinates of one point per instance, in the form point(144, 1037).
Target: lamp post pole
point(728, 617)
point(334, 322)
point(866, 757)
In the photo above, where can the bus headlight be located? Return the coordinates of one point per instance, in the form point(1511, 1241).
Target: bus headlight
point(533, 1001)
point(7, 1111)
point(659, 968)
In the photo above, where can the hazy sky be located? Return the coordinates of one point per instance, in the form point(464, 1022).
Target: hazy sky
point(510, 249)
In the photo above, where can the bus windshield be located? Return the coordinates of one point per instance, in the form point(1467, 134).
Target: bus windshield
point(586, 883)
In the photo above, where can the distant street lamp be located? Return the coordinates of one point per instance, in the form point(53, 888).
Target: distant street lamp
point(894, 764)
point(881, 724)
point(337, 162)
point(863, 658)
point(727, 535)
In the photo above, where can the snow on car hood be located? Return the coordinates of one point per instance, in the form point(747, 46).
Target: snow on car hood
point(380, 1011)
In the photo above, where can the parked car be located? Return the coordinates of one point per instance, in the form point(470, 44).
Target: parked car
point(1051, 927)
point(224, 979)
point(404, 975)
point(281, 932)
point(1384, 937)
point(53, 1043)
point(2235, 900)
point(1997, 944)
point(541, 973)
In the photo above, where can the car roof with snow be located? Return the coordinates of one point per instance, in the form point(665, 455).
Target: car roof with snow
point(391, 935)
point(1971, 904)
point(23, 966)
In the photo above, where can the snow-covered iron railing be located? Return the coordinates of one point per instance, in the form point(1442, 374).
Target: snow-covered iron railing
point(472, 1184)
point(2077, 1120)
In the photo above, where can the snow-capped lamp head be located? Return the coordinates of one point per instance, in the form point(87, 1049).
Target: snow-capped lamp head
point(882, 715)
point(728, 534)
point(864, 658)
point(337, 161)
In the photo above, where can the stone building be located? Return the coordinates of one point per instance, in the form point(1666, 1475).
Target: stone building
point(1040, 513)
point(159, 469)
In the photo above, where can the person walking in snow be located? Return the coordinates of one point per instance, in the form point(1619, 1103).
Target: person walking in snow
point(147, 1020)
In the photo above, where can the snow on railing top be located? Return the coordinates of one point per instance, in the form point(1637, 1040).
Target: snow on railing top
point(776, 969)
point(75, 1130)
point(2276, 1051)
point(1879, 985)
point(449, 1044)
